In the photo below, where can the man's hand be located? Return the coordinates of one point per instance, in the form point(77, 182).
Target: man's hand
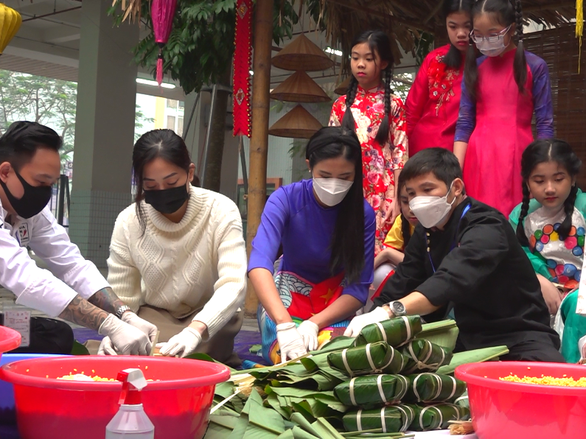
point(379, 314)
point(126, 339)
point(148, 328)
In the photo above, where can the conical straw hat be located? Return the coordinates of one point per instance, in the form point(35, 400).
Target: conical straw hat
point(342, 87)
point(297, 123)
point(299, 87)
point(302, 54)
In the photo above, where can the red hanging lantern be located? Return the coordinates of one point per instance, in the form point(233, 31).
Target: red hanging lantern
point(242, 67)
point(162, 13)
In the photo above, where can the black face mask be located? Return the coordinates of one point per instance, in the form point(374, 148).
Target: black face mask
point(167, 200)
point(34, 200)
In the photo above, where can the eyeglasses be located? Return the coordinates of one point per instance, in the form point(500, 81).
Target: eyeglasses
point(491, 38)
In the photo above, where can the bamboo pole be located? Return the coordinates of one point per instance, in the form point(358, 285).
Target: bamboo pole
point(261, 81)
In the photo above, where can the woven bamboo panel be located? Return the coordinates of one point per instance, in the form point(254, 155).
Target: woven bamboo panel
point(559, 48)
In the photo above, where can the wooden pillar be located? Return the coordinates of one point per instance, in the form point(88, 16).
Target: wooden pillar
point(261, 82)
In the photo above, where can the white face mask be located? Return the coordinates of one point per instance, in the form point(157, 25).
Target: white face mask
point(491, 49)
point(431, 210)
point(331, 191)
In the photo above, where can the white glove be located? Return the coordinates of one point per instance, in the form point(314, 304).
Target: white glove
point(126, 339)
point(185, 343)
point(148, 328)
point(309, 330)
point(290, 341)
point(378, 315)
point(582, 347)
point(106, 347)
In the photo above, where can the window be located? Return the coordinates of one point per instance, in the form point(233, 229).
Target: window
point(171, 103)
point(171, 122)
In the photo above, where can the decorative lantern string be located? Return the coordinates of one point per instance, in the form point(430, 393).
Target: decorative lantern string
point(162, 13)
point(242, 67)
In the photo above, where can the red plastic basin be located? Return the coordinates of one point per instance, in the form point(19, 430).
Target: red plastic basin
point(178, 405)
point(9, 339)
point(506, 410)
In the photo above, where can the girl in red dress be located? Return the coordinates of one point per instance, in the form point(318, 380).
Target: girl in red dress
point(434, 98)
point(501, 92)
point(378, 118)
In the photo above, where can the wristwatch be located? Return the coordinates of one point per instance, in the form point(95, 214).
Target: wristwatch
point(397, 308)
point(121, 310)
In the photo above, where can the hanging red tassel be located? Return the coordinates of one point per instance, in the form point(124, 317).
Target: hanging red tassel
point(162, 13)
point(160, 70)
point(242, 67)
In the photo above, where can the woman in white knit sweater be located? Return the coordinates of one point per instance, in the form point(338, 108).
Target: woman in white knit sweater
point(177, 255)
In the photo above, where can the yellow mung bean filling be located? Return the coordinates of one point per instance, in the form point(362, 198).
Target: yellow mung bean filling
point(546, 380)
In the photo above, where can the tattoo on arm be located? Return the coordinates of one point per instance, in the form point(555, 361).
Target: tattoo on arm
point(107, 300)
point(83, 313)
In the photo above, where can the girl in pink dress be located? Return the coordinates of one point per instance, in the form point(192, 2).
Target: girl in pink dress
point(434, 98)
point(378, 118)
point(500, 93)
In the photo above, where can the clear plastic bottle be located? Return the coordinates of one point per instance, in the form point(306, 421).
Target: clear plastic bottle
point(131, 421)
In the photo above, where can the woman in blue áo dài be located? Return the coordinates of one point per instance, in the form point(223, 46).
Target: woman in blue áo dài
point(326, 230)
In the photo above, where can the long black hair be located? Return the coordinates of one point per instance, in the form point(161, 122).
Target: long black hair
point(541, 151)
point(164, 144)
point(454, 57)
point(378, 42)
point(347, 244)
point(505, 13)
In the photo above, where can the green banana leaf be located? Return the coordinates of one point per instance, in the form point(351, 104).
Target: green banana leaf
point(79, 349)
point(376, 357)
point(337, 344)
point(430, 387)
point(437, 416)
point(443, 333)
point(424, 356)
point(391, 419)
point(474, 356)
point(395, 332)
point(372, 390)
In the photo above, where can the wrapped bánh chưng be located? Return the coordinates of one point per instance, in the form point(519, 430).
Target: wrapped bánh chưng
point(395, 332)
point(370, 359)
point(390, 419)
point(437, 416)
point(430, 387)
point(424, 356)
point(372, 390)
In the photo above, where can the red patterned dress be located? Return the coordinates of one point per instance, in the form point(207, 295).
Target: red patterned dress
point(433, 103)
point(378, 161)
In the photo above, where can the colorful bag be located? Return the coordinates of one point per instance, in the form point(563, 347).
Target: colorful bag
point(424, 356)
point(396, 332)
point(391, 419)
point(430, 387)
point(372, 390)
point(370, 359)
point(437, 416)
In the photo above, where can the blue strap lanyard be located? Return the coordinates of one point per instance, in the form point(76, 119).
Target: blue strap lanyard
point(466, 209)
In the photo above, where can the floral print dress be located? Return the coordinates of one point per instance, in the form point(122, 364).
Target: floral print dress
point(378, 161)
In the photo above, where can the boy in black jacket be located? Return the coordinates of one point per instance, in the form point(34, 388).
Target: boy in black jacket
point(464, 253)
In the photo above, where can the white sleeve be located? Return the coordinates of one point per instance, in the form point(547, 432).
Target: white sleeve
point(230, 288)
point(32, 286)
point(51, 243)
point(123, 275)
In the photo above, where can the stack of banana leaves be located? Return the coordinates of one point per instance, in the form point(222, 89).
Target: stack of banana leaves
point(396, 376)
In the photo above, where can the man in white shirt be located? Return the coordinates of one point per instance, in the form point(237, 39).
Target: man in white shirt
point(74, 289)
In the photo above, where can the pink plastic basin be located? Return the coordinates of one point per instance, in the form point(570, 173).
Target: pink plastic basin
point(48, 408)
point(506, 410)
point(9, 339)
